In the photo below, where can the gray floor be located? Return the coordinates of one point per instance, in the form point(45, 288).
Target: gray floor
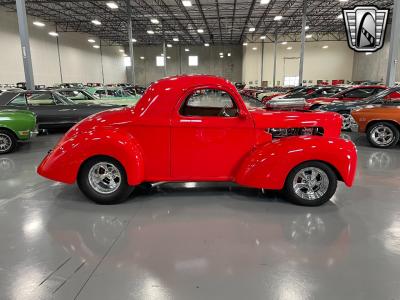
point(219, 242)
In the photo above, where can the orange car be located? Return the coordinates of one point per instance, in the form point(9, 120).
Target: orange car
point(381, 123)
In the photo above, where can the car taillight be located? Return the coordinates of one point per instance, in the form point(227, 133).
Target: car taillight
point(304, 131)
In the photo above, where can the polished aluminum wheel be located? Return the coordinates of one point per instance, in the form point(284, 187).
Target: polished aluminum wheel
point(104, 177)
point(347, 121)
point(310, 183)
point(5, 142)
point(382, 135)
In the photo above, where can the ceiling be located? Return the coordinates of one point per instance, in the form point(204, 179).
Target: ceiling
point(223, 21)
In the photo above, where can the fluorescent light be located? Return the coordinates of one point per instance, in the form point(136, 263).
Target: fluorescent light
point(221, 56)
point(206, 44)
point(150, 31)
point(343, 0)
point(187, 50)
point(96, 22)
point(221, 53)
point(52, 33)
point(168, 57)
point(368, 53)
point(175, 39)
point(142, 57)
point(38, 24)
point(245, 44)
point(121, 50)
point(254, 48)
point(187, 3)
point(340, 16)
point(263, 37)
point(278, 18)
point(325, 47)
point(154, 21)
point(307, 27)
point(264, 2)
point(229, 54)
point(96, 46)
point(91, 41)
point(169, 45)
point(289, 48)
point(134, 40)
point(112, 5)
point(200, 30)
point(252, 29)
point(308, 36)
point(284, 43)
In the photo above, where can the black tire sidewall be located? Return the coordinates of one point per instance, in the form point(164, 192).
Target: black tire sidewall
point(389, 125)
point(294, 198)
point(119, 196)
point(13, 141)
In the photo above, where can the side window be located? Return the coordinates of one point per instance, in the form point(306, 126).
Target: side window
point(40, 99)
point(209, 103)
point(359, 93)
point(18, 101)
point(75, 95)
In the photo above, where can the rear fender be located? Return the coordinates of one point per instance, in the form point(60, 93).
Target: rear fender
point(64, 161)
point(269, 165)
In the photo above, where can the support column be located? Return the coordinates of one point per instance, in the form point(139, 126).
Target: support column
point(101, 61)
point(275, 45)
point(130, 37)
point(394, 45)
point(59, 60)
point(165, 58)
point(303, 41)
point(26, 49)
point(262, 62)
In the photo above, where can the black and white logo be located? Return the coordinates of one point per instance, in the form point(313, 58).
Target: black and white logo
point(365, 26)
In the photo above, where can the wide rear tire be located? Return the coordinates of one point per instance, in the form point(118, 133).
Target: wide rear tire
point(383, 135)
point(311, 183)
point(104, 181)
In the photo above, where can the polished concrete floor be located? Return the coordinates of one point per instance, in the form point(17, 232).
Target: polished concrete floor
point(198, 242)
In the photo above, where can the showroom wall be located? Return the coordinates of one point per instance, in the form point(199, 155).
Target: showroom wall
point(80, 62)
point(374, 66)
point(335, 62)
point(209, 62)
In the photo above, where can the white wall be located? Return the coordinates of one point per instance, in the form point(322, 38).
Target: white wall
point(336, 62)
point(80, 62)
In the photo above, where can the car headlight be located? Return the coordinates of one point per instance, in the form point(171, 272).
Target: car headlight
point(286, 132)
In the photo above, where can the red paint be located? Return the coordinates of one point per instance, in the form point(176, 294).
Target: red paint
point(155, 143)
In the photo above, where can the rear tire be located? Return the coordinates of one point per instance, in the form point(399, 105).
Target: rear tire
point(311, 183)
point(104, 181)
point(347, 120)
point(8, 142)
point(383, 135)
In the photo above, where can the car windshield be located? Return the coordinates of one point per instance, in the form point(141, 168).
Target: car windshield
point(64, 100)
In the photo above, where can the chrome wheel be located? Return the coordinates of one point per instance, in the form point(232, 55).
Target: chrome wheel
point(310, 183)
point(382, 135)
point(347, 120)
point(5, 142)
point(104, 177)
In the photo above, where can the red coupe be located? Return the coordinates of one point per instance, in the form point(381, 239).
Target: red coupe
point(197, 128)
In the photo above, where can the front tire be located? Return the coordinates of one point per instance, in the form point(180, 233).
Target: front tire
point(310, 184)
point(383, 135)
point(104, 181)
point(347, 120)
point(8, 142)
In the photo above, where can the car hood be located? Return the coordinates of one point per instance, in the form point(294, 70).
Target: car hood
point(330, 122)
point(16, 112)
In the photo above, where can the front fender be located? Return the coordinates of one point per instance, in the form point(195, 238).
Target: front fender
point(269, 165)
point(63, 162)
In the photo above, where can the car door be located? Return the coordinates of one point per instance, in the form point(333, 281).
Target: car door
point(211, 132)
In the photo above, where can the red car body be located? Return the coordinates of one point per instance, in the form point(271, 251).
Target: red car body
point(342, 96)
point(154, 142)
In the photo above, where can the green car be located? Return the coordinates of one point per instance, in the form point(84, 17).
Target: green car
point(112, 96)
point(15, 126)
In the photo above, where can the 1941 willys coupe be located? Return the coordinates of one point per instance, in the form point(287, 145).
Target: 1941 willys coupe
point(197, 128)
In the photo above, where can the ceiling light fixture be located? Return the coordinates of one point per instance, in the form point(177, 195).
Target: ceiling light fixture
point(263, 37)
point(284, 43)
point(229, 54)
point(206, 44)
point(142, 57)
point(169, 45)
point(154, 21)
point(186, 49)
point(96, 46)
point(175, 39)
point(96, 22)
point(264, 2)
point(52, 33)
point(245, 44)
point(252, 29)
point(340, 16)
point(112, 5)
point(187, 3)
point(38, 24)
point(168, 57)
point(289, 48)
point(308, 36)
point(200, 30)
point(278, 18)
point(254, 48)
point(121, 50)
point(368, 53)
point(325, 47)
point(307, 27)
point(91, 41)
point(134, 40)
point(150, 31)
